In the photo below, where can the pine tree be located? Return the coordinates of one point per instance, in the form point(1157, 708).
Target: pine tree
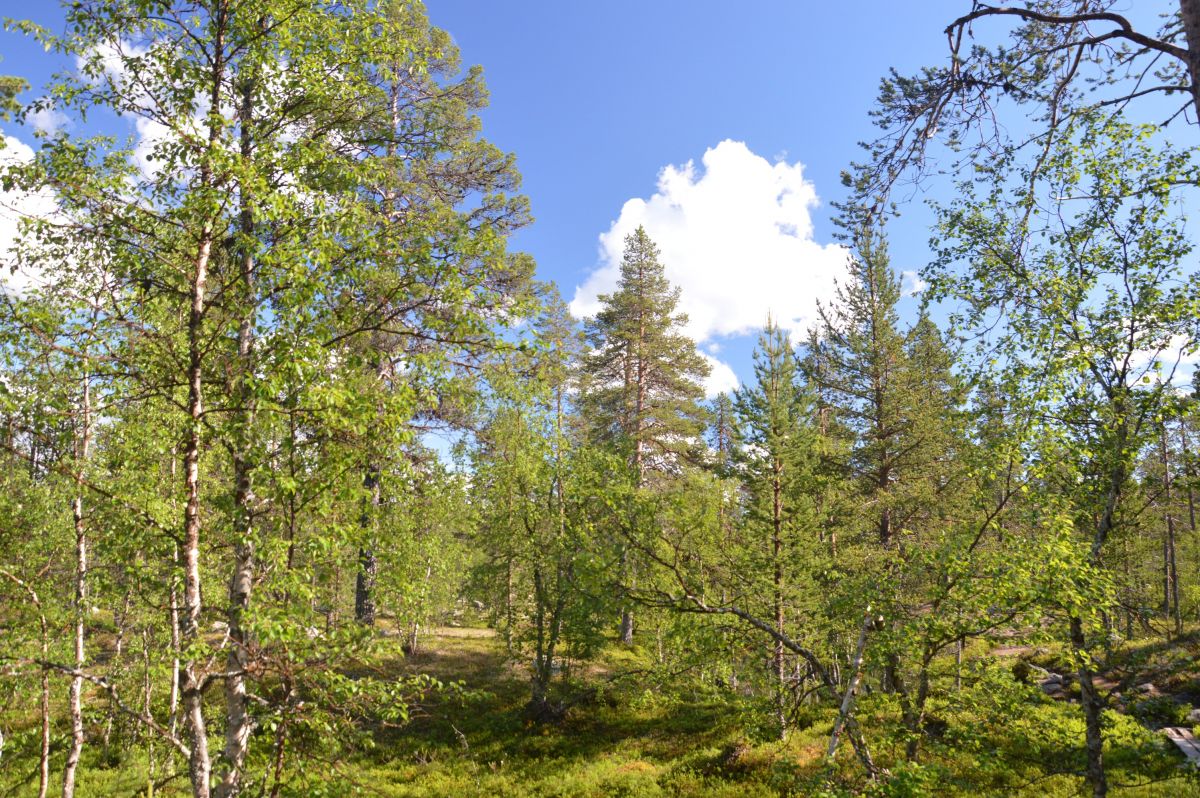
point(642, 379)
point(896, 396)
point(644, 375)
point(856, 359)
point(778, 461)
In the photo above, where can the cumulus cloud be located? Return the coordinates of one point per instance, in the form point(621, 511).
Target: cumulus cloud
point(47, 121)
point(1176, 360)
point(911, 283)
point(720, 380)
point(736, 236)
point(14, 206)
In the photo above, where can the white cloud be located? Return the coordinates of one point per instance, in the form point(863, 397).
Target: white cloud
point(1176, 360)
point(720, 380)
point(736, 236)
point(151, 133)
point(110, 62)
point(911, 283)
point(47, 120)
point(14, 206)
point(108, 59)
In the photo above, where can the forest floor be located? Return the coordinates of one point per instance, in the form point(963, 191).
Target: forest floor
point(630, 738)
point(630, 734)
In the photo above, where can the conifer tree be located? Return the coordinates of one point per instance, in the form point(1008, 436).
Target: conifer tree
point(856, 358)
point(642, 379)
point(643, 374)
point(777, 461)
point(892, 394)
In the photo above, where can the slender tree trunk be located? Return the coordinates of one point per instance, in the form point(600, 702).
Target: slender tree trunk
point(1092, 709)
point(192, 669)
point(639, 462)
point(368, 564)
point(44, 706)
point(147, 710)
point(847, 707)
point(958, 654)
point(510, 599)
point(1171, 575)
point(173, 619)
point(626, 626)
point(75, 696)
point(238, 724)
point(173, 696)
point(280, 745)
point(1089, 697)
point(200, 766)
point(916, 710)
point(121, 621)
point(541, 655)
point(1189, 10)
point(777, 592)
point(1187, 474)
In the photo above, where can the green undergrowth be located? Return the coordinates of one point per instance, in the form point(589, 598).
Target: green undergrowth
point(624, 737)
point(630, 733)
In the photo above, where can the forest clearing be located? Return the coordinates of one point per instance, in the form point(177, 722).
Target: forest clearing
point(626, 734)
point(314, 481)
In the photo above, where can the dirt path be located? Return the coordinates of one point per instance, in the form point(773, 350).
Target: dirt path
point(467, 632)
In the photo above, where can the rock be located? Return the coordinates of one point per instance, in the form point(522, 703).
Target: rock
point(1052, 682)
point(1193, 717)
point(733, 757)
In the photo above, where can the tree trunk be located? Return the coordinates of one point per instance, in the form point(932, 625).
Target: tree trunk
point(368, 564)
point(847, 707)
point(1187, 474)
point(44, 760)
point(916, 709)
point(200, 766)
point(1170, 574)
point(1092, 709)
point(148, 710)
point(280, 745)
point(121, 622)
point(777, 592)
point(364, 586)
point(75, 697)
point(626, 627)
point(173, 696)
point(1189, 11)
point(639, 463)
point(238, 724)
point(191, 670)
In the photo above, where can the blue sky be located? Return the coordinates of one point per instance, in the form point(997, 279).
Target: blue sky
point(605, 105)
point(596, 99)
